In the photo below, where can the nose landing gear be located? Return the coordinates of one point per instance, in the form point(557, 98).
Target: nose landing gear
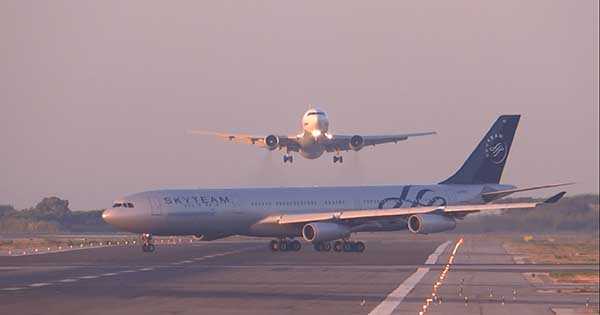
point(288, 158)
point(337, 159)
point(147, 243)
point(284, 245)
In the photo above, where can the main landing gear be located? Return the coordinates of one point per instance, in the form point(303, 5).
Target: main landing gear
point(340, 246)
point(147, 243)
point(337, 159)
point(288, 158)
point(284, 245)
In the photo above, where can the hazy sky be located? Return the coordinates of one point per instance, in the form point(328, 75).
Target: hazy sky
point(96, 96)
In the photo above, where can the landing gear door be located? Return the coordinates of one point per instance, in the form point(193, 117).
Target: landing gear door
point(155, 206)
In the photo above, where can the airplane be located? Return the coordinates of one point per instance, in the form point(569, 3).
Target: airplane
point(327, 216)
point(314, 139)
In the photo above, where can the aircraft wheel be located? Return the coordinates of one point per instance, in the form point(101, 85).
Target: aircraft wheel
point(145, 248)
point(151, 248)
point(274, 246)
point(360, 247)
point(296, 245)
point(327, 247)
point(283, 245)
point(347, 247)
point(338, 246)
point(317, 246)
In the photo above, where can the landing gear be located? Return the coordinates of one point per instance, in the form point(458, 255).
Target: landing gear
point(288, 158)
point(284, 245)
point(338, 158)
point(349, 246)
point(322, 246)
point(147, 244)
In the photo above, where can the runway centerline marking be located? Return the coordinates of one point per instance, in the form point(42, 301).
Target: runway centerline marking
point(12, 289)
point(389, 304)
point(68, 280)
point(41, 284)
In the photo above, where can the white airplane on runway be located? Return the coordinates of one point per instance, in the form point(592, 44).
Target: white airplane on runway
point(322, 215)
point(314, 139)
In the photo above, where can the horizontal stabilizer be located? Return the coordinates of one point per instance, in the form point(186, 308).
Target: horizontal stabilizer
point(493, 195)
point(555, 198)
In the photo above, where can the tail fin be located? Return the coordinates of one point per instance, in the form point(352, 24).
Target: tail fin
point(486, 163)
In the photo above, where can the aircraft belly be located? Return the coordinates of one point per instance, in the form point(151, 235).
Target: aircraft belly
point(312, 151)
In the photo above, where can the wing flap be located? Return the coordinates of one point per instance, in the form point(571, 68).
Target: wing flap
point(378, 213)
point(285, 141)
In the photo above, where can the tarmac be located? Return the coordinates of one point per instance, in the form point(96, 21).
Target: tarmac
point(397, 274)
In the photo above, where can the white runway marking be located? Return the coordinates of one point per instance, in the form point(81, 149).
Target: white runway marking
point(12, 289)
point(68, 280)
point(389, 304)
point(42, 284)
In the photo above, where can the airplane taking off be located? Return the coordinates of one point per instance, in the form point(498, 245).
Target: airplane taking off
point(322, 215)
point(314, 139)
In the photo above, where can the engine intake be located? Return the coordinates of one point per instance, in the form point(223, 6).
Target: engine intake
point(430, 223)
point(272, 142)
point(323, 232)
point(357, 142)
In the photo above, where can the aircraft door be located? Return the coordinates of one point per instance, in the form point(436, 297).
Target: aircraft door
point(155, 206)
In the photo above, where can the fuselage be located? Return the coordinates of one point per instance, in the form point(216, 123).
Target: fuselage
point(314, 136)
point(242, 211)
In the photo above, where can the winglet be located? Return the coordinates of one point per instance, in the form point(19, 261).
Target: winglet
point(555, 198)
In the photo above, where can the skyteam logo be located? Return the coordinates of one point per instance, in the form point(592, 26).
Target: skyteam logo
point(495, 149)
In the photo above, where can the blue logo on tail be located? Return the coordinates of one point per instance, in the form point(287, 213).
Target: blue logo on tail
point(495, 149)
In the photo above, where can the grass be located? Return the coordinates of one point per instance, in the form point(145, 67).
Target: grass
point(590, 277)
point(557, 250)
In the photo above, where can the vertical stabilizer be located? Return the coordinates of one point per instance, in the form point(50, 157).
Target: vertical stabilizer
point(486, 163)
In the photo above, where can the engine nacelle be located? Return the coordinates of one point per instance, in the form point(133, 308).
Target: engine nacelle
point(323, 232)
point(272, 142)
point(357, 142)
point(430, 223)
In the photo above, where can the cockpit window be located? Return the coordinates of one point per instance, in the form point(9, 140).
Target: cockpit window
point(315, 113)
point(129, 205)
point(117, 205)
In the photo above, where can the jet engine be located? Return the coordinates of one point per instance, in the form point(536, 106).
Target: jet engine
point(430, 223)
point(357, 142)
point(323, 232)
point(272, 142)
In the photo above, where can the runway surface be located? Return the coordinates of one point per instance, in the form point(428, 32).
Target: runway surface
point(243, 277)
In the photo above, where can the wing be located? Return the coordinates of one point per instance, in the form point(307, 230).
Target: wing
point(289, 142)
point(458, 211)
point(343, 142)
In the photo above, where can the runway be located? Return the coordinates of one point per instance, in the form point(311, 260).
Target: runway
point(243, 277)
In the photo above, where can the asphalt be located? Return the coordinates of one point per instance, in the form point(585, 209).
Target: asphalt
point(244, 277)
